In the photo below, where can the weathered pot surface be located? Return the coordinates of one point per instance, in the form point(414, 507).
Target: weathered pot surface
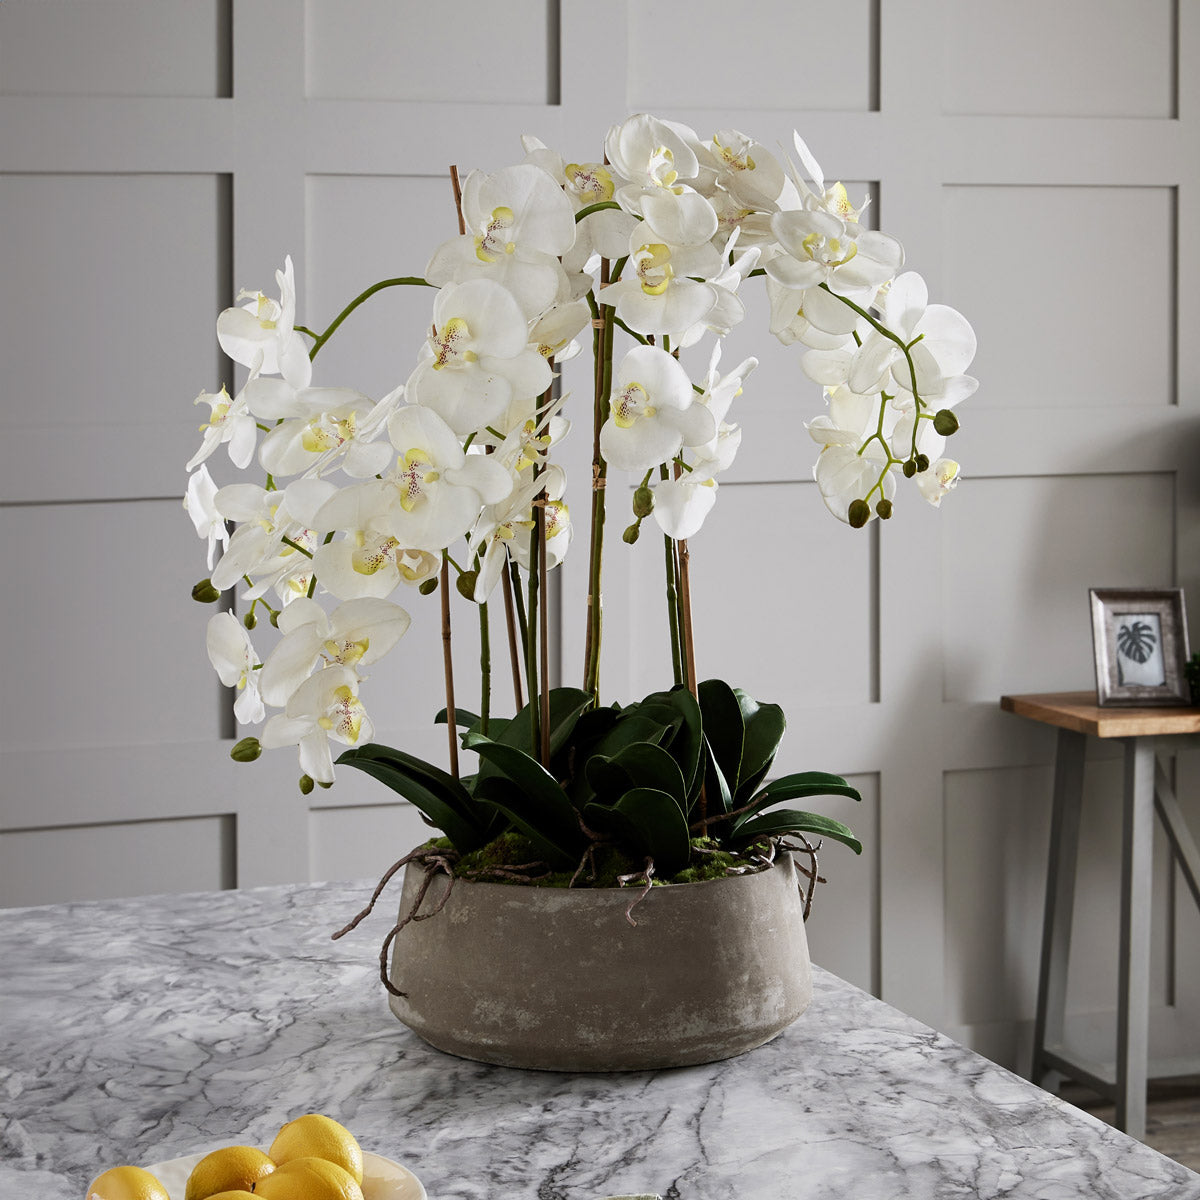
point(557, 979)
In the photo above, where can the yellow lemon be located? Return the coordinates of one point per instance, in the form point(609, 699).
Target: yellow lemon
point(316, 1136)
point(308, 1179)
point(236, 1194)
point(232, 1168)
point(126, 1183)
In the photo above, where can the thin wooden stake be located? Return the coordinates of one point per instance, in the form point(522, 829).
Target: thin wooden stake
point(543, 628)
point(514, 654)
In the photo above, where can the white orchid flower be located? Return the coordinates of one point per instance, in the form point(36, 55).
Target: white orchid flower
point(231, 424)
point(477, 358)
point(820, 247)
point(653, 414)
point(719, 393)
point(554, 332)
point(257, 547)
point(790, 321)
point(316, 427)
point(681, 504)
point(846, 473)
point(606, 232)
point(232, 655)
point(747, 170)
point(944, 348)
point(941, 477)
point(200, 504)
point(662, 290)
point(728, 310)
point(325, 705)
point(500, 525)
point(358, 632)
point(261, 334)
point(519, 222)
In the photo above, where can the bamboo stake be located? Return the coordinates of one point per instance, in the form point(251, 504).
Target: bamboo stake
point(543, 627)
point(595, 615)
point(514, 654)
point(444, 583)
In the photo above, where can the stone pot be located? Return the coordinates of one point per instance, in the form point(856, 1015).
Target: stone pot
point(556, 979)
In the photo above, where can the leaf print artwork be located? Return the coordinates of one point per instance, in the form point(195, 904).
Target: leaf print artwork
point(1139, 651)
point(1136, 640)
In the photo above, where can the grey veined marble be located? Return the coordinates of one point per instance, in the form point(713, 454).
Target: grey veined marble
point(141, 1030)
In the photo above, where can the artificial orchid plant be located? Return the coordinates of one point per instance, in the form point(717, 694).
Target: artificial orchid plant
point(451, 477)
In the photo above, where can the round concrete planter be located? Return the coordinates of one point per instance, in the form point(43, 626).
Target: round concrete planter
point(556, 979)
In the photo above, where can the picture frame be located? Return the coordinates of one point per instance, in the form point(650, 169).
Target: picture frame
point(1139, 637)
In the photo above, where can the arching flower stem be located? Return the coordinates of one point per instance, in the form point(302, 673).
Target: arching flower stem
point(402, 281)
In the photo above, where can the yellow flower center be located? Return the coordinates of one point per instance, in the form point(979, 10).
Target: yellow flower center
point(591, 182)
point(347, 651)
point(417, 472)
point(733, 159)
point(654, 268)
point(630, 405)
point(367, 560)
point(447, 344)
point(831, 252)
point(494, 241)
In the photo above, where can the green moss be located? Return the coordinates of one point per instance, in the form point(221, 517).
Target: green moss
point(607, 865)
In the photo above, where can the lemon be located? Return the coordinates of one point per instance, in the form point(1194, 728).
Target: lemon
point(232, 1168)
point(126, 1183)
point(317, 1136)
point(308, 1179)
point(236, 1194)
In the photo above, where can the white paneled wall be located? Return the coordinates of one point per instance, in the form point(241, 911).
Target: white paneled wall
point(1040, 159)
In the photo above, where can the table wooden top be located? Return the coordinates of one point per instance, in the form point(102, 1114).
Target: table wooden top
point(1080, 712)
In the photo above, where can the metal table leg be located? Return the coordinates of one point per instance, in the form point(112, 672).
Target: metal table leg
point(1060, 897)
point(1133, 1000)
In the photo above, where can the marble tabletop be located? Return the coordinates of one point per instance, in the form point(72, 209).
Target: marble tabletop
point(141, 1030)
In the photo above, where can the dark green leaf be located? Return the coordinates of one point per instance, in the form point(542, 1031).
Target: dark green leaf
point(686, 741)
point(466, 830)
point(650, 823)
point(545, 806)
point(764, 725)
point(627, 731)
point(651, 766)
point(527, 817)
point(723, 728)
point(790, 820)
point(463, 718)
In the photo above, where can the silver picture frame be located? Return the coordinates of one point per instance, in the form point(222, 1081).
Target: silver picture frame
point(1139, 636)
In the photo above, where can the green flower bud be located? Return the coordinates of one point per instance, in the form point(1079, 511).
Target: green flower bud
point(204, 592)
point(250, 620)
point(909, 469)
point(247, 750)
point(428, 587)
point(466, 584)
point(884, 509)
point(631, 534)
point(945, 422)
point(306, 784)
point(275, 617)
point(643, 502)
point(322, 783)
point(859, 514)
point(922, 462)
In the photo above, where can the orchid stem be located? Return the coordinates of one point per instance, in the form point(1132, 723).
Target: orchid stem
point(448, 666)
point(409, 280)
point(485, 670)
point(514, 655)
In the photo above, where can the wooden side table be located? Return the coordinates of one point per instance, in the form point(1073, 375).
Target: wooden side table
point(1144, 732)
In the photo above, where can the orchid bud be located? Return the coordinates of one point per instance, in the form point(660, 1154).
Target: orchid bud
point(204, 592)
point(275, 617)
point(306, 784)
point(884, 509)
point(631, 534)
point(922, 462)
point(247, 750)
point(643, 502)
point(909, 468)
point(324, 783)
point(859, 513)
point(250, 620)
point(428, 587)
point(466, 584)
point(945, 422)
